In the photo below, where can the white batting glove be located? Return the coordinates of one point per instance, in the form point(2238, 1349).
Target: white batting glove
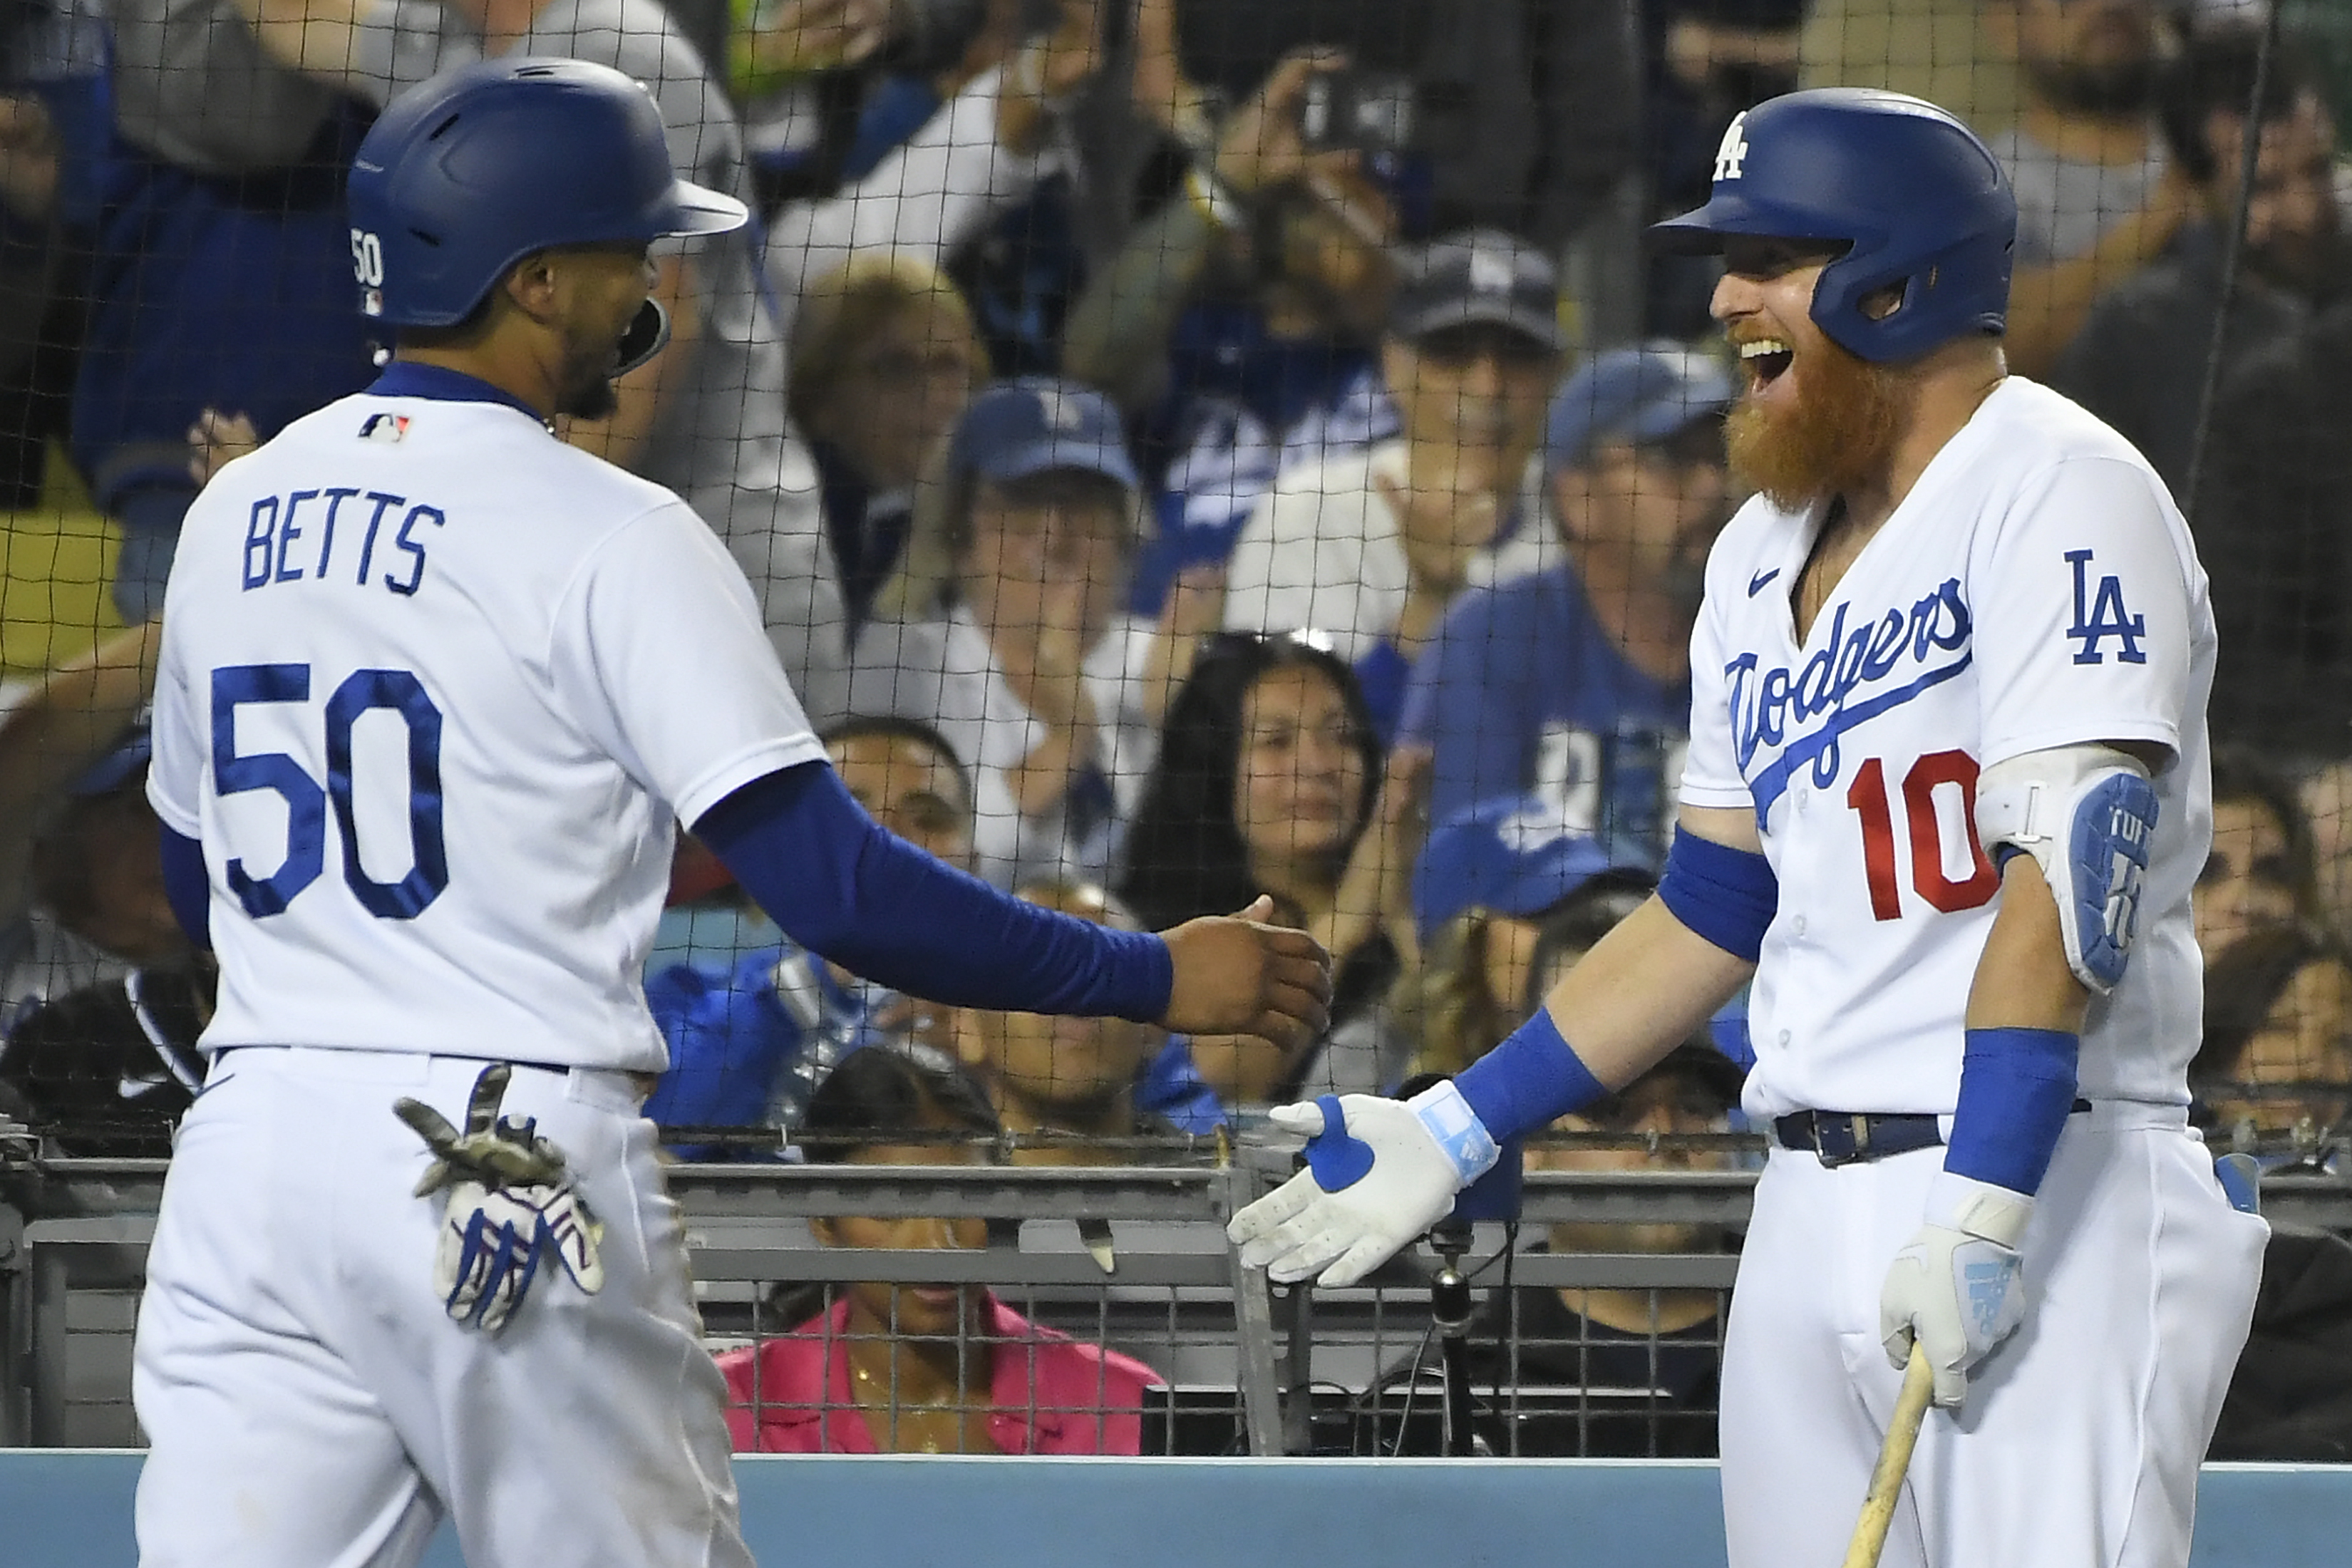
point(511, 1206)
point(1957, 1285)
point(1379, 1171)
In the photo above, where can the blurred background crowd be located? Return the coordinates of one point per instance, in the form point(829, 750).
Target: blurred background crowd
point(1183, 449)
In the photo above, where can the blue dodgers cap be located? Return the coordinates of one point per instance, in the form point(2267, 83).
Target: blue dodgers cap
point(1638, 394)
point(1036, 425)
point(1510, 854)
point(125, 764)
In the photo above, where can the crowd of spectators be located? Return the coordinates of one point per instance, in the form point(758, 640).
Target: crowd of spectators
point(1171, 476)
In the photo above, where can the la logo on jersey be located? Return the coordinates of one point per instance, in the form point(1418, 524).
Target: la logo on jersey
point(385, 428)
point(1733, 153)
point(2100, 613)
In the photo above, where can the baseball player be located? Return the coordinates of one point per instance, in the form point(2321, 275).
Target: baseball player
point(1946, 798)
point(434, 689)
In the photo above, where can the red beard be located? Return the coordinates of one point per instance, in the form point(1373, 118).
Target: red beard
point(1834, 435)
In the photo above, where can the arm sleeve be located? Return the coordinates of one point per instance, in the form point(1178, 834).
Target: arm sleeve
point(659, 657)
point(2083, 600)
point(842, 886)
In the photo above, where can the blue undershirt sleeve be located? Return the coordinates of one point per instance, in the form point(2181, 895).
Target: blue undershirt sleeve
point(188, 887)
point(844, 887)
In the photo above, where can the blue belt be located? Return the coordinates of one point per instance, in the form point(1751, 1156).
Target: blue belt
point(1847, 1137)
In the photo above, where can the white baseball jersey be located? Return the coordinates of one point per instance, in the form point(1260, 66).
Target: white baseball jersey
point(435, 690)
point(2036, 588)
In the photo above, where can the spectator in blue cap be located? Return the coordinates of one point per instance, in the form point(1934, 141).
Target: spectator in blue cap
point(1574, 683)
point(1486, 885)
point(1000, 625)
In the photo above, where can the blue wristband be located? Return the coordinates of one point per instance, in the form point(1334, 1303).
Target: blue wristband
point(2017, 1089)
point(1529, 1081)
point(1726, 896)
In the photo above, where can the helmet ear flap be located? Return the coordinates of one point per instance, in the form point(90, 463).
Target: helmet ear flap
point(647, 335)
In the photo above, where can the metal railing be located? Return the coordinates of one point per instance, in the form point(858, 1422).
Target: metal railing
point(1130, 1257)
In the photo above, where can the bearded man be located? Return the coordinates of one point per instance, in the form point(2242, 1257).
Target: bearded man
point(1946, 795)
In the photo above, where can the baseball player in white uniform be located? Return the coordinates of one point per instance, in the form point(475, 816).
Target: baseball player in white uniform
point(1947, 794)
point(435, 690)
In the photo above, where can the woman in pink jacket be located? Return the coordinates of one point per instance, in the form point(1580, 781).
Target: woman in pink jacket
point(927, 1369)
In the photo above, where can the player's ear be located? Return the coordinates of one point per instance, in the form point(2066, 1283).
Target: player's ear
point(534, 285)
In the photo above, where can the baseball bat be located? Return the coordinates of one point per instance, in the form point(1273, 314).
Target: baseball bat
point(1894, 1460)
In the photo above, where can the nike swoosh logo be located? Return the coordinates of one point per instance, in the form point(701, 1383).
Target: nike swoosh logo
point(1755, 583)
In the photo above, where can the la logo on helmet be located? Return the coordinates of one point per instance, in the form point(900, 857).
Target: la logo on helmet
point(1733, 153)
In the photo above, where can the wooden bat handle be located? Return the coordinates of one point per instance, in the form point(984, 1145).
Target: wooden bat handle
point(1894, 1460)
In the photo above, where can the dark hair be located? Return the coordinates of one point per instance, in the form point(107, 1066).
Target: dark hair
point(2245, 981)
point(2215, 74)
point(883, 1094)
point(2241, 773)
point(1184, 855)
point(892, 727)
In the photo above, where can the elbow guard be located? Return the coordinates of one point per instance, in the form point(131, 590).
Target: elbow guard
point(2087, 816)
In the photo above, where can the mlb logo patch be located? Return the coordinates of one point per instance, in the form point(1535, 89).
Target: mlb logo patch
point(385, 428)
point(372, 301)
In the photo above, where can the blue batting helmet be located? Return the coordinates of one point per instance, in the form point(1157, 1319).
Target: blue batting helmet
point(1919, 202)
point(466, 174)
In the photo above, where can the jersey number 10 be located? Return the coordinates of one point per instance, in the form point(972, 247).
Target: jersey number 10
point(239, 684)
point(1930, 879)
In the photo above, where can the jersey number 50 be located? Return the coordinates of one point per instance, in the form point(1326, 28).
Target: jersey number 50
point(238, 685)
point(1929, 876)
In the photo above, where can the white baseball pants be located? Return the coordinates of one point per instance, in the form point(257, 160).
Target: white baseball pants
point(2081, 1440)
point(310, 1405)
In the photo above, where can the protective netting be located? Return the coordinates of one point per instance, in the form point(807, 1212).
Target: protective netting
point(1184, 452)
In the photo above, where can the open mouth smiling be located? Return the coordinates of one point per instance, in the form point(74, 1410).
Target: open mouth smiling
point(1764, 360)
